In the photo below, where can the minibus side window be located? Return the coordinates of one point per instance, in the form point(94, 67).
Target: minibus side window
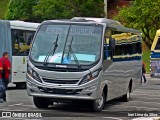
point(119, 43)
point(107, 48)
point(136, 45)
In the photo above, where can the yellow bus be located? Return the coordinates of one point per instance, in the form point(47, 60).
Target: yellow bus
point(155, 56)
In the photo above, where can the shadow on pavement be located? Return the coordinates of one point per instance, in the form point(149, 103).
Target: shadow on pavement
point(80, 106)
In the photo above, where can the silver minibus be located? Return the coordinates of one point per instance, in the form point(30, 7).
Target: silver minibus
point(91, 59)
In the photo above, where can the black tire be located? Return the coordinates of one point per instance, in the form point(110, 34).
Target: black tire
point(126, 97)
point(98, 105)
point(41, 102)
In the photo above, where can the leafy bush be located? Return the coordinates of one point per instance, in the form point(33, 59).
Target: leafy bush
point(39, 10)
point(21, 9)
point(143, 15)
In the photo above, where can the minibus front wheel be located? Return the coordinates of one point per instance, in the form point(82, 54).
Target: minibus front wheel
point(41, 102)
point(98, 104)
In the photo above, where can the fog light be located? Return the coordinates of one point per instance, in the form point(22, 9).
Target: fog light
point(32, 90)
point(89, 94)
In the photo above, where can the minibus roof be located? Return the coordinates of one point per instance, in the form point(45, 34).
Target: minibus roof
point(109, 23)
point(21, 25)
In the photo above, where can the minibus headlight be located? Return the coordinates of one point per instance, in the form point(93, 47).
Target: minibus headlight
point(89, 77)
point(29, 70)
point(33, 74)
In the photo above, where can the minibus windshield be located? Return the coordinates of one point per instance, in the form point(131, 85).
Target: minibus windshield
point(76, 44)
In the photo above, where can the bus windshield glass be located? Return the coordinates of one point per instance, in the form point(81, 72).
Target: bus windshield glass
point(67, 44)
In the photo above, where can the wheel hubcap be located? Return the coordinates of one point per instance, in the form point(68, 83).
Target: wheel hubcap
point(128, 95)
point(99, 102)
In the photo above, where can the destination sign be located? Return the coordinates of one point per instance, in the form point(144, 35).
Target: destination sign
point(80, 30)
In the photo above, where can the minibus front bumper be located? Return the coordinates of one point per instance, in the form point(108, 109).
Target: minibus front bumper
point(88, 91)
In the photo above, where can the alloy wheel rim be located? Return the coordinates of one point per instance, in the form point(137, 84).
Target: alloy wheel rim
point(128, 95)
point(99, 102)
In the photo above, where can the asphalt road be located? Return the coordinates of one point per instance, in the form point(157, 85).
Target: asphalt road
point(145, 99)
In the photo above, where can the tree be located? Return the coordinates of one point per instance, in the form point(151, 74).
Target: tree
point(62, 9)
point(21, 9)
point(143, 15)
point(52, 9)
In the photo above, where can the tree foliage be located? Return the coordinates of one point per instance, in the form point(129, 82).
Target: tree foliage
point(3, 8)
point(21, 9)
point(58, 9)
point(143, 15)
point(39, 10)
point(52, 9)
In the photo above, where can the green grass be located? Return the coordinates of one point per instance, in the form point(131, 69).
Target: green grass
point(3, 8)
point(146, 57)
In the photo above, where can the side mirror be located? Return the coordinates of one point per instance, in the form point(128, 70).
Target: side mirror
point(112, 43)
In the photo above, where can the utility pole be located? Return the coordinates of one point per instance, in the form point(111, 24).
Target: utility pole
point(105, 8)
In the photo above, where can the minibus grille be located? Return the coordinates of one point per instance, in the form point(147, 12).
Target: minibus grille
point(60, 91)
point(60, 69)
point(60, 81)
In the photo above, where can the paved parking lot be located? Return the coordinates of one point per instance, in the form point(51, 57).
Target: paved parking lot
point(143, 100)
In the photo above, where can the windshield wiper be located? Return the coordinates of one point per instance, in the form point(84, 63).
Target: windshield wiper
point(51, 50)
point(71, 51)
point(65, 42)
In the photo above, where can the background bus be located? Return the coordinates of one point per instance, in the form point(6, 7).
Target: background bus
point(16, 37)
point(155, 56)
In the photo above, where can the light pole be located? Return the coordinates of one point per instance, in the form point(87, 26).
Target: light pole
point(105, 8)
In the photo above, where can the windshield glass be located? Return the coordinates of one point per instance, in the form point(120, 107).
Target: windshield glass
point(158, 44)
point(75, 44)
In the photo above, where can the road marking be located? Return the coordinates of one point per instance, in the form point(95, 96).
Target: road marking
point(146, 118)
point(33, 119)
point(145, 95)
point(150, 98)
point(139, 97)
point(114, 118)
point(3, 109)
point(149, 92)
point(16, 104)
point(28, 105)
point(145, 102)
point(133, 107)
